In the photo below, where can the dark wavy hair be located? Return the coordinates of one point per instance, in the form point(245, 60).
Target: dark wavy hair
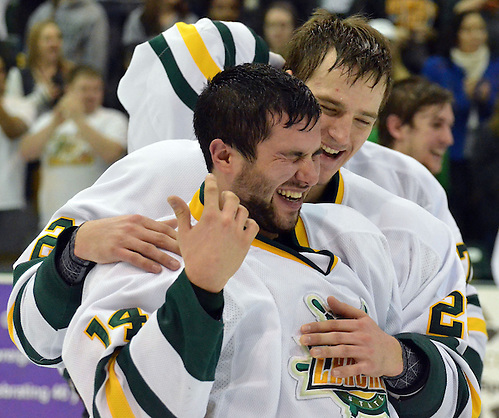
point(241, 104)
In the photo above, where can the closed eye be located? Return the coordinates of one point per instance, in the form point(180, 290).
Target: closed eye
point(365, 122)
point(329, 111)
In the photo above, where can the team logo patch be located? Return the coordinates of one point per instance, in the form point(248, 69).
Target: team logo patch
point(357, 396)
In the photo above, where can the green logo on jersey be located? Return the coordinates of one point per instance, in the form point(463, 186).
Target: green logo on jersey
point(355, 395)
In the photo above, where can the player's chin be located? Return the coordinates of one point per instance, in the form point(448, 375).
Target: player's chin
point(288, 222)
point(329, 167)
point(434, 163)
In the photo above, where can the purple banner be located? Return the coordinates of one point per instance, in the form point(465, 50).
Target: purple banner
point(26, 389)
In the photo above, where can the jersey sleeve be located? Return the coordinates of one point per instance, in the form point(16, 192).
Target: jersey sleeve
point(40, 308)
point(435, 319)
point(167, 74)
point(120, 376)
point(127, 187)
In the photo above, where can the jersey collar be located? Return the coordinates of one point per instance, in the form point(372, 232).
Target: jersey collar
point(295, 246)
point(334, 191)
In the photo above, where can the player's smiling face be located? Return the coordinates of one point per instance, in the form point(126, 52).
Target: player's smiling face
point(273, 187)
point(349, 112)
point(428, 136)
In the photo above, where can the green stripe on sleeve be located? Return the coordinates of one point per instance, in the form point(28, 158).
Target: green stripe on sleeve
point(23, 268)
point(261, 49)
point(141, 391)
point(473, 300)
point(427, 401)
point(229, 45)
point(100, 379)
point(190, 330)
point(462, 394)
point(475, 362)
point(56, 300)
point(27, 347)
point(471, 356)
point(182, 88)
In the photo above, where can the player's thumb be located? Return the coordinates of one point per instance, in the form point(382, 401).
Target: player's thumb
point(182, 212)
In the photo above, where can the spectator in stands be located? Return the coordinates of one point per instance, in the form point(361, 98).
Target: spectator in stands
point(85, 30)
point(279, 22)
point(75, 142)
point(16, 115)
point(469, 71)
point(489, 9)
point(152, 18)
point(228, 10)
point(41, 79)
point(417, 120)
point(415, 19)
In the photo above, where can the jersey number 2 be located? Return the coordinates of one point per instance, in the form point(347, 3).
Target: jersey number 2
point(443, 316)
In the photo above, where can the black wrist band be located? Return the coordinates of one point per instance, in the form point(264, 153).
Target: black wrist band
point(412, 377)
point(72, 268)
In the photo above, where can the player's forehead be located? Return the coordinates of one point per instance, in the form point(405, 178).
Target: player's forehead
point(435, 113)
point(302, 138)
point(341, 86)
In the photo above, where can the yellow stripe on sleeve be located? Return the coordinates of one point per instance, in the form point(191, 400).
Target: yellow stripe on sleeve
point(116, 399)
point(475, 401)
point(10, 323)
point(198, 50)
point(477, 324)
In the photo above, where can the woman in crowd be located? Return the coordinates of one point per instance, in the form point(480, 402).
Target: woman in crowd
point(467, 69)
point(41, 79)
point(152, 18)
point(279, 22)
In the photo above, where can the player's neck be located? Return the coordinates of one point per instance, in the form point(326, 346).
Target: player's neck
point(315, 194)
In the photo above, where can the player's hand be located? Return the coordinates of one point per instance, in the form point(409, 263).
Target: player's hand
point(215, 247)
point(356, 336)
point(134, 239)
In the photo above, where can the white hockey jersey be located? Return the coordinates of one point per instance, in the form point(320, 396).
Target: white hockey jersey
point(130, 186)
point(161, 108)
point(170, 365)
point(166, 75)
point(408, 178)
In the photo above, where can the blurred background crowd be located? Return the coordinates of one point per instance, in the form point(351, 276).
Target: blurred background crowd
point(61, 123)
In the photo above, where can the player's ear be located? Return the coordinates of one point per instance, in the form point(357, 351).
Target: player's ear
point(223, 155)
point(395, 126)
point(289, 72)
